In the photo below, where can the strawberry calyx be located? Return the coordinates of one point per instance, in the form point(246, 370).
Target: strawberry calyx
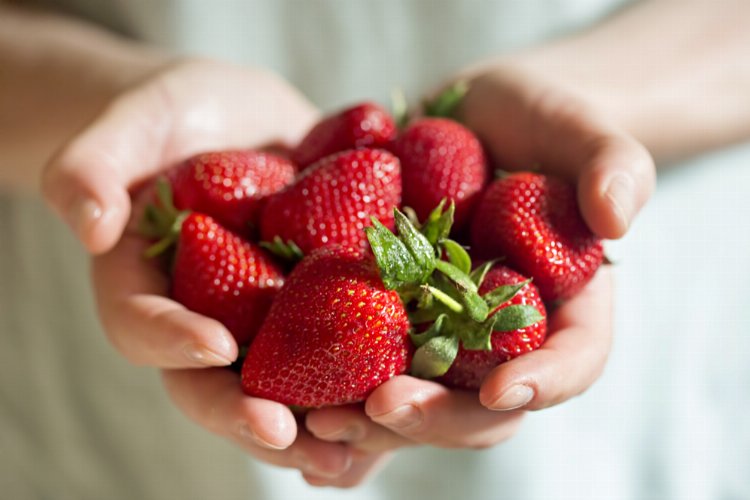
point(162, 220)
point(445, 104)
point(443, 295)
point(286, 250)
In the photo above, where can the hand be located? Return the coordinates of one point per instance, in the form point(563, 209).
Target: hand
point(529, 120)
point(526, 120)
point(183, 109)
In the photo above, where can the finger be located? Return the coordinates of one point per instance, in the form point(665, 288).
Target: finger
point(213, 399)
point(266, 429)
point(349, 424)
point(144, 325)
point(615, 173)
point(87, 181)
point(525, 121)
point(569, 362)
point(616, 181)
point(363, 467)
point(430, 413)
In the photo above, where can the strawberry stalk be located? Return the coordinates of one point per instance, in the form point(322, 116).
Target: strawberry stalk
point(443, 294)
point(399, 107)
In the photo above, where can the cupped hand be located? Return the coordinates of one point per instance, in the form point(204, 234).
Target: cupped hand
point(527, 121)
point(185, 108)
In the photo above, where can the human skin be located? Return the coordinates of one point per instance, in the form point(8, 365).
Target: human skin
point(591, 107)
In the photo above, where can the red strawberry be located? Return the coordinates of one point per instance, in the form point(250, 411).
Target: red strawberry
point(334, 200)
point(363, 125)
point(333, 334)
point(471, 366)
point(214, 271)
point(440, 158)
point(229, 185)
point(218, 274)
point(534, 221)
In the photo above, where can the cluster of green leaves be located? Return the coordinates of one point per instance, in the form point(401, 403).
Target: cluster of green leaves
point(434, 277)
point(162, 222)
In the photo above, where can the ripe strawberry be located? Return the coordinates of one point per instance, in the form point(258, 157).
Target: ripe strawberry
point(471, 366)
point(364, 125)
point(230, 185)
point(218, 274)
point(333, 334)
point(214, 271)
point(534, 221)
point(334, 199)
point(440, 158)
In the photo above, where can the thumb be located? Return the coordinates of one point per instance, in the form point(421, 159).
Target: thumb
point(616, 180)
point(87, 181)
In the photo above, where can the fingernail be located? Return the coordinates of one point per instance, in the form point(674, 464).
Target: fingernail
point(247, 433)
point(204, 356)
point(621, 194)
point(347, 434)
point(401, 418)
point(84, 214)
point(304, 464)
point(515, 397)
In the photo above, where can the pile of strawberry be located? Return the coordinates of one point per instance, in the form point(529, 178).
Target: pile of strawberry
point(309, 260)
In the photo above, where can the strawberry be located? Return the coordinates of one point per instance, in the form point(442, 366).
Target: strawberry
point(214, 271)
point(364, 125)
point(534, 221)
point(333, 200)
point(230, 185)
point(441, 159)
point(333, 334)
point(471, 366)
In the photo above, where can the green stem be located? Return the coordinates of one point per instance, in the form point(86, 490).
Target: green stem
point(445, 299)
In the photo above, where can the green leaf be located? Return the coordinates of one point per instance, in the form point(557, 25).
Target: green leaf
point(457, 255)
point(393, 259)
point(435, 357)
point(399, 107)
point(476, 307)
point(446, 104)
point(503, 294)
point(170, 237)
point(515, 317)
point(149, 225)
point(478, 337)
point(164, 195)
point(438, 224)
point(405, 260)
point(426, 315)
point(456, 275)
point(420, 339)
point(478, 274)
point(421, 250)
point(286, 250)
